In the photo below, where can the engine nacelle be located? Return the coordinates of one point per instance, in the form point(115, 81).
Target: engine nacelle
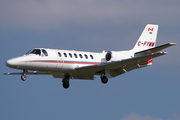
point(108, 56)
point(116, 56)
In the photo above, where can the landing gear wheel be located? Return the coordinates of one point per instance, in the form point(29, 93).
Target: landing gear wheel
point(23, 77)
point(104, 79)
point(66, 81)
point(66, 84)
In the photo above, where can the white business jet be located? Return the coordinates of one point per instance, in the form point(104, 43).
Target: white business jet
point(70, 64)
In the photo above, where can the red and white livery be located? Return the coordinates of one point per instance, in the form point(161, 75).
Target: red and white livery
point(71, 64)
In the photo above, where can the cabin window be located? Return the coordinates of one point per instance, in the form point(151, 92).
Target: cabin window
point(65, 54)
point(80, 56)
point(45, 52)
point(59, 54)
point(91, 57)
point(70, 55)
point(86, 56)
point(75, 55)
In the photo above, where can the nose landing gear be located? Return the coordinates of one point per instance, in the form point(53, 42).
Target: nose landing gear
point(23, 76)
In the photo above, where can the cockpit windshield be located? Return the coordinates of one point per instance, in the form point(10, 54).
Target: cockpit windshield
point(34, 51)
point(40, 52)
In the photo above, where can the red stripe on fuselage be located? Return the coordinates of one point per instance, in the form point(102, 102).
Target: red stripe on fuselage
point(43, 61)
point(67, 62)
point(89, 63)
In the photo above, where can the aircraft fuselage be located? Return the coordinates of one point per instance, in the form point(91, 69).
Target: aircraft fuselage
point(61, 60)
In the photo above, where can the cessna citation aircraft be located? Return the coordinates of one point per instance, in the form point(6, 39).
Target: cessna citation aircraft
point(70, 64)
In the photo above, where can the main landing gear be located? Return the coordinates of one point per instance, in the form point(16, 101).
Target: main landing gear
point(66, 82)
point(104, 79)
point(104, 76)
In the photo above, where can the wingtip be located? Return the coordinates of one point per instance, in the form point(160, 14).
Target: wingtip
point(164, 53)
point(172, 44)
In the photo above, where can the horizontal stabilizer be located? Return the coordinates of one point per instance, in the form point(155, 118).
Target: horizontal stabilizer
point(155, 49)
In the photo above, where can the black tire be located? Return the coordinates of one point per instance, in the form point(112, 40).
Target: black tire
point(23, 77)
point(104, 79)
point(66, 84)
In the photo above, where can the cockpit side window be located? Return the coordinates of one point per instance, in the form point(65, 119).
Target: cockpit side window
point(35, 51)
point(45, 52)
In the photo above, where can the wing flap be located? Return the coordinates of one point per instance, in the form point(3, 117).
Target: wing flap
point(58, 75)
point(85, 77)
point(125, 69)
point(117, 72)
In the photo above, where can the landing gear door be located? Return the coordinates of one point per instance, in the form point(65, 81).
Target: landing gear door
point(60, 60)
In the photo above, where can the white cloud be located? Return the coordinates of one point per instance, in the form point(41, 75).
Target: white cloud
point(135, 116)
point(176, 116)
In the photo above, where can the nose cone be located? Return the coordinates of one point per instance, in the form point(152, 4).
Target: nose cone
point(12, 63)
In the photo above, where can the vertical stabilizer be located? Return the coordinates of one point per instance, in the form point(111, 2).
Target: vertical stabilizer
point(147, 39)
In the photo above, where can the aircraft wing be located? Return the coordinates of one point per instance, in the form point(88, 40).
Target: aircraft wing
point(28, 73)
point(54, 74)
point(34, 73)
point(118, 67)
point(20, 73)
point(155, 49)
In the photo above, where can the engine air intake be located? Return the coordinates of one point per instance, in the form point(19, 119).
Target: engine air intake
point(108, 56)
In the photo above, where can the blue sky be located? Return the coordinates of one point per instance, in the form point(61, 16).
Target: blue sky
point(150, 93)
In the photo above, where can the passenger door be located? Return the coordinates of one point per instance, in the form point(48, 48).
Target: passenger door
point(60, 60)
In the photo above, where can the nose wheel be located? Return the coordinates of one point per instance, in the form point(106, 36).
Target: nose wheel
point(23, 77)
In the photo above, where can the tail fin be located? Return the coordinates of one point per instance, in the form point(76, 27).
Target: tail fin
point(147, 39)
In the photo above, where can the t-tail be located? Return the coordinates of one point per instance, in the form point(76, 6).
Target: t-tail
point(147, 40)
